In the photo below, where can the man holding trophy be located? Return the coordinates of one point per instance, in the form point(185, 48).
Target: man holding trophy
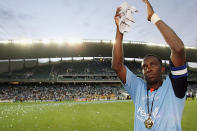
point(159, 102)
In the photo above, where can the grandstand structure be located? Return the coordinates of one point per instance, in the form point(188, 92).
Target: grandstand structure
point(26, 49)
point(64, 61)
point(85, 64)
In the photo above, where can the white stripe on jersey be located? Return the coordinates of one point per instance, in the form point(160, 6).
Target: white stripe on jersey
point(179, 72)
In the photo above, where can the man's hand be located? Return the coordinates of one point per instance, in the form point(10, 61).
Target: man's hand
point(150, 10)
point(117, 51)
point(117, 17)
point(178, 55)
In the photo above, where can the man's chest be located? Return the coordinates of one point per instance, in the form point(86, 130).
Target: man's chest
point(156, 105)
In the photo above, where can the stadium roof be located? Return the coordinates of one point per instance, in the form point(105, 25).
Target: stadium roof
point(29, 49)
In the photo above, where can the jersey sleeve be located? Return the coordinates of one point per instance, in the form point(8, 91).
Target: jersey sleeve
point(133, 83)
point(178, 76)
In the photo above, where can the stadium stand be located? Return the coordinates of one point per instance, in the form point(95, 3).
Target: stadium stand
point(38, 77)
point(86, 73)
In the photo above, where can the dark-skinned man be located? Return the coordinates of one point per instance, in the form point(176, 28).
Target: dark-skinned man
point(159, 102)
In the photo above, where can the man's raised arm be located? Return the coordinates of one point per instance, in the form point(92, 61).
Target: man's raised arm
point(178, 56)
point(117, 52)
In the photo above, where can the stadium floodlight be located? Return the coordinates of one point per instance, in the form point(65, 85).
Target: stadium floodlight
point(46, 41)
point(5, 42)
point(92, 41)
point(58, 41)
point(148, 43)
point(36, 41)
point(137, 42)
point(74, 41)
point(26, 41)
point(23, 41)
point(15, 41)
point(126, 42)
point(156, 44)
point(113, 41)
point(106, 41)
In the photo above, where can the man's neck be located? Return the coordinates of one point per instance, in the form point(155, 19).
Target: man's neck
point(155, 86)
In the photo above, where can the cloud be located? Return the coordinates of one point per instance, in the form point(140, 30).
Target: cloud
point(12, 22)
point(6, 15)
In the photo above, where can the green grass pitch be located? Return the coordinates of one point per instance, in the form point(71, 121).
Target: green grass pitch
point(79, 116)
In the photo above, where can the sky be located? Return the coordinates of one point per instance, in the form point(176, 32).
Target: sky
point(93, 19)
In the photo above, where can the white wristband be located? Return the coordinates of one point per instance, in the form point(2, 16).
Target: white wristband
point(155, 18)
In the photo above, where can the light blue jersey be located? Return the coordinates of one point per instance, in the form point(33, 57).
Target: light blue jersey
point(167, 108)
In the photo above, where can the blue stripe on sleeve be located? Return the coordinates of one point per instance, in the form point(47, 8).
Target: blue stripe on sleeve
point(179, 76)
point(178, 68)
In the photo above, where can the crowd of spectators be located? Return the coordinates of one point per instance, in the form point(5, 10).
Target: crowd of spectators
point(58, 92)
point(92, 70)
point(191, 92)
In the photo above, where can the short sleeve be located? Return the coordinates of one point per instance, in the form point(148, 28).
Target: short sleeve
point(133, 83)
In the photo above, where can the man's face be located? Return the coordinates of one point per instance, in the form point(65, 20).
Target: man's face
point(152, 70)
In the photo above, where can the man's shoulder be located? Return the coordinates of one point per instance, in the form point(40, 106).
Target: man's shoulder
point(132, 74)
